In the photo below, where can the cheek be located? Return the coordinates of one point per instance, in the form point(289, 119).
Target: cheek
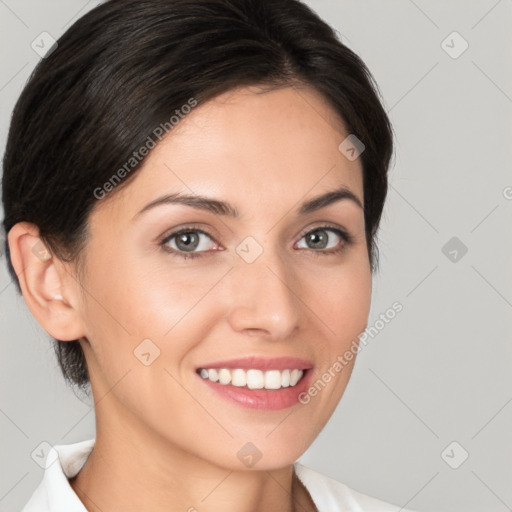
point(346, 303)
point(341, 297)
point(129, 301)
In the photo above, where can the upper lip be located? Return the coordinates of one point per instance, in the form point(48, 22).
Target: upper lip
point(261, 363)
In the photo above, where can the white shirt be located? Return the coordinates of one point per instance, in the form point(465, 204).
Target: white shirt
point(55, 494)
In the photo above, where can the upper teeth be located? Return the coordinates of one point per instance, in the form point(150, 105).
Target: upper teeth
point(253, 379)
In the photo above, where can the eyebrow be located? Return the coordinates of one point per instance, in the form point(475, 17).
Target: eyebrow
point(225, 209)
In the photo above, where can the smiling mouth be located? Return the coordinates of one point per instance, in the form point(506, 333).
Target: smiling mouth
point(253, 378)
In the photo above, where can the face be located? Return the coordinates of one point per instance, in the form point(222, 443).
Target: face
point(273, 282)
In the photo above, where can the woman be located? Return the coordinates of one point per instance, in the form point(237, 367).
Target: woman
point(192, 191)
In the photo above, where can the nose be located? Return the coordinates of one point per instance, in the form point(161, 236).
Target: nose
point(265, 296)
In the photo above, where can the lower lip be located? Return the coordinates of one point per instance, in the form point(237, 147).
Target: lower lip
point(262, 399)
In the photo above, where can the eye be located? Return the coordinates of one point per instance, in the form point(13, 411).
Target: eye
point(188, 243)
point(325, 237)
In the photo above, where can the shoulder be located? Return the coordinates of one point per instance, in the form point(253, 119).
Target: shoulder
point(329, 495)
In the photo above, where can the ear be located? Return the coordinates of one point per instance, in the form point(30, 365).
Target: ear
point(50, 291)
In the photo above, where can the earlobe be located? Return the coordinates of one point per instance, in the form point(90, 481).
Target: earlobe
point(45, 283)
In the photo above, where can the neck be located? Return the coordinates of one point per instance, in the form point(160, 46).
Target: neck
point(131, 469)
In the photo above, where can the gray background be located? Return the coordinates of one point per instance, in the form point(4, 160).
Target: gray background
point(441, 370)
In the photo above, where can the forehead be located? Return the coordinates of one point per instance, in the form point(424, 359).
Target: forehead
point(250, 146)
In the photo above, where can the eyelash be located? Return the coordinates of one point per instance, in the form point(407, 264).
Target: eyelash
point(346, 237)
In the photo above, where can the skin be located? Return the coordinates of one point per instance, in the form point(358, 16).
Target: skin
point(164, 440)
